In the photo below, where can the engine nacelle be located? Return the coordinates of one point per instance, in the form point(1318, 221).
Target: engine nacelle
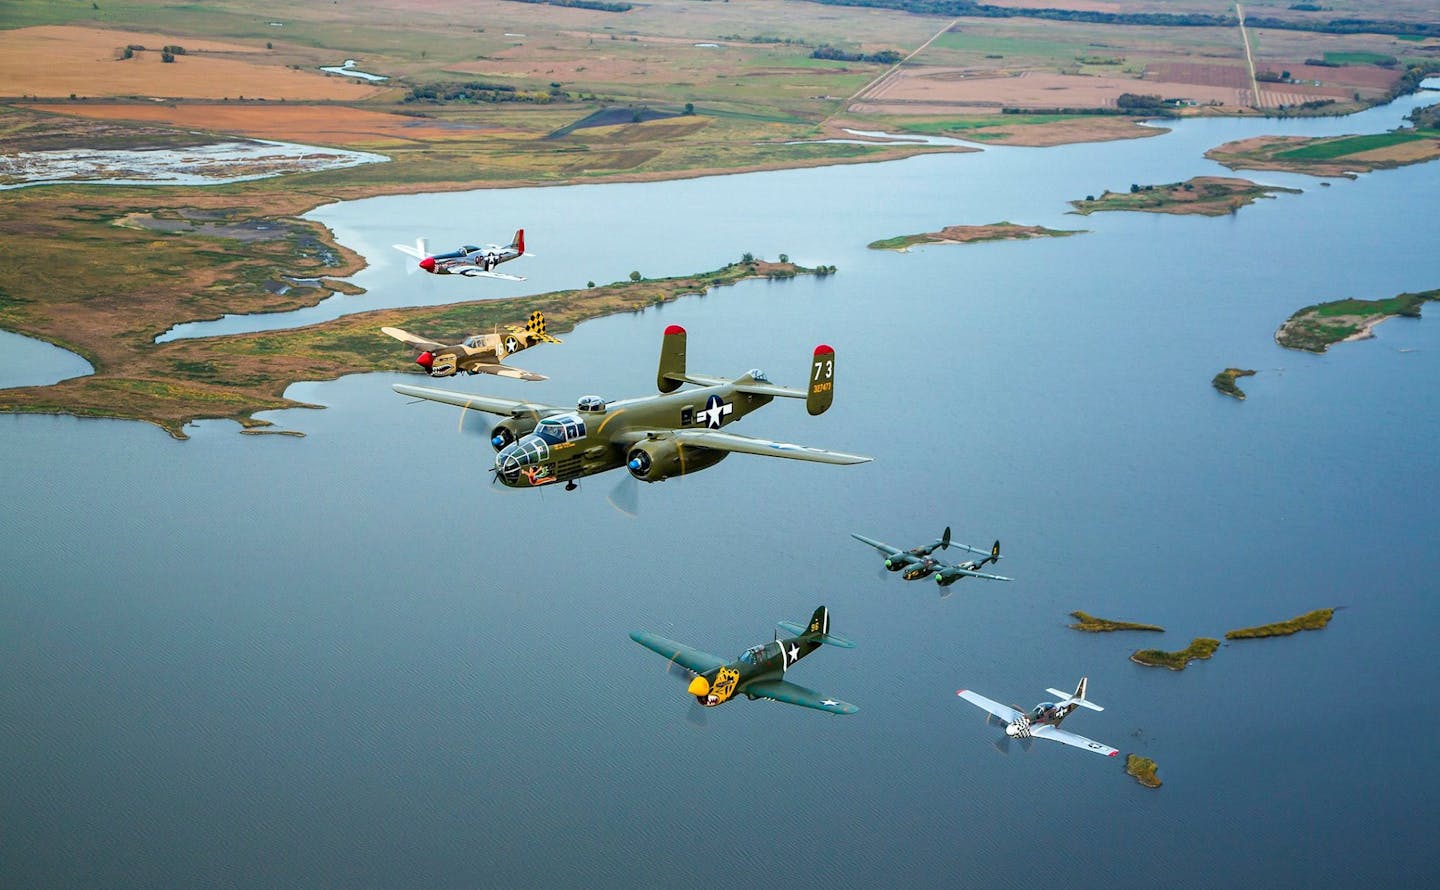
point(654, 460)
point(510, 429)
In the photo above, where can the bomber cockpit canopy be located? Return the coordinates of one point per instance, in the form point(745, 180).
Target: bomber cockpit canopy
point(560, 428)
point(593, 404)
point(758, 376)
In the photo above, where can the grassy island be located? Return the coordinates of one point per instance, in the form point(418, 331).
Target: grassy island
point(1000, 231)
point(1331, 155)
point(1200, 647)
point(1143, 769)
point(232, 377)
point(1206, 195)
point(1315, 328)
point(1225, 382)
point(1090, 624)
point(1315, 620)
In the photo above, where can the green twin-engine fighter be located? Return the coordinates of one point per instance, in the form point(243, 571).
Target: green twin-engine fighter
point(654, 437)
point(759, 672)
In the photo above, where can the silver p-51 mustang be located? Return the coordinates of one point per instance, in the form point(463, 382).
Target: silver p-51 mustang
point(1043, 721)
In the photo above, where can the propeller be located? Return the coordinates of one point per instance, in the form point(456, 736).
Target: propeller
point(695, 715)
point(625, 496)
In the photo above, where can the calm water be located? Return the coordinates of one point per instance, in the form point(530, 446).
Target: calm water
point(348, 659)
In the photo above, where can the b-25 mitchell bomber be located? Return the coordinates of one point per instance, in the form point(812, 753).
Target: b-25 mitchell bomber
point(653, 437)
point(917, 562)
point(480, 353)
point(759, 672)
point(469, 261)
point(1043, 721)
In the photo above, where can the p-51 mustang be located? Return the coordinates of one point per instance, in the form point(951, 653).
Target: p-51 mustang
point(1043, 721)
point(470, 261)
point(654, 437)
point(917, 562)
point(759, 672)
point(481, 353)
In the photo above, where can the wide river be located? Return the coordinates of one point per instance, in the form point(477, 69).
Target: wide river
point(349, 660)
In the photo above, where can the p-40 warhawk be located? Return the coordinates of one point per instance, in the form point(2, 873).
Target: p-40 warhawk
point(1043, 721)
point(918, 562)
point(470, 261)
point(481, 353)
point(759, 672)
point(654, 437)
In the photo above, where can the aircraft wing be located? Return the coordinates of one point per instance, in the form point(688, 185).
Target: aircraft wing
point(501, 371)
point(883, 548)
point(410, 339)
point(763, 447)
point(488, 404)
point(974, 574)
point(793, 694)
point(688, 657)
point(1004, 712)
point(1046, 731)
point(477, 272)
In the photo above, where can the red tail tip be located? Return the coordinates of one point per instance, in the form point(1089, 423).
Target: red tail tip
point(674, 329)
point(822, 349)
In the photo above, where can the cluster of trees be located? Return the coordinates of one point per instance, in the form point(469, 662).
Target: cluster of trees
point(884, 57)
point(167, 53)
point(600, 5)
point(740, 38)
point(480, 91)
point(1427, 118)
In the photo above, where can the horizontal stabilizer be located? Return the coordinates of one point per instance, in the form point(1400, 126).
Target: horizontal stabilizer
point(828, 639)
point(1067, 699)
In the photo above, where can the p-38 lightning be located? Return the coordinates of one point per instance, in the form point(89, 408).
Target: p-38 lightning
point(759, 672)
point(917, 562)
point(480, 353)
point(470, 261)
point(1043, 721)
point(653, 437)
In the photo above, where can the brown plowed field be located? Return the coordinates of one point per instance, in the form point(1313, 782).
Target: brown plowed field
point(1236, 77)
point(63, 60)
point(949, 90)
point(325, 125)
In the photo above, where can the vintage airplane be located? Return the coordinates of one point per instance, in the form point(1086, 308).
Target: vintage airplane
point(654, 437)
point(759, 672)
point(918, 562)
point(1043, 722)
point(470, 261)
point(481, 353)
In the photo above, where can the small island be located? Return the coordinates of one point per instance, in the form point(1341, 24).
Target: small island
point(1225, 382)
point(1332, 155)
point(1143, 769)
point(1200, 647)
point(1090, 624)
point(1315, 620)
point(1315, 328)
point(1206, 195)
point(1000, 231)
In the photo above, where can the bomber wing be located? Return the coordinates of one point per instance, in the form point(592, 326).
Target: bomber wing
point(763, 447)
point(1004, 712)
point(883, 548)
point(971, 573)
point(794, 694)
point(410, 339)
point(488, 404)
point(688, 657)
point(1045, 731)
point(479, 367)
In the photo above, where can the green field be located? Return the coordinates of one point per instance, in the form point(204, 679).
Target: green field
point(1330, 149)
point(1360, 58)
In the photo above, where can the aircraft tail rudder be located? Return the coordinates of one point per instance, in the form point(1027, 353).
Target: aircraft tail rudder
point(821, 391)
point(671, 373)
point(1079, 697)
point(518, 242)
point(945, 539)
point(995, 557)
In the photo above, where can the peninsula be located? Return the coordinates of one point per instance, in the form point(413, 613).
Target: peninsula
point(1000, 231)
point(1090, 624)
point(1316, 328)
point(1200, 647)
point(1143, 769)
point(1225, 382)
point(1205, 195)
point(1330, 155)
point(1315, 620)
point(232, 377)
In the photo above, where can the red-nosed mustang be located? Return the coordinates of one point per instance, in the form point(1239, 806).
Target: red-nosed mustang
point(1043, 721)
point(469, 261)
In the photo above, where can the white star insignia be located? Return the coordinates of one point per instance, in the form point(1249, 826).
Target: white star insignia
point(829, 701)
point(794, 653)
